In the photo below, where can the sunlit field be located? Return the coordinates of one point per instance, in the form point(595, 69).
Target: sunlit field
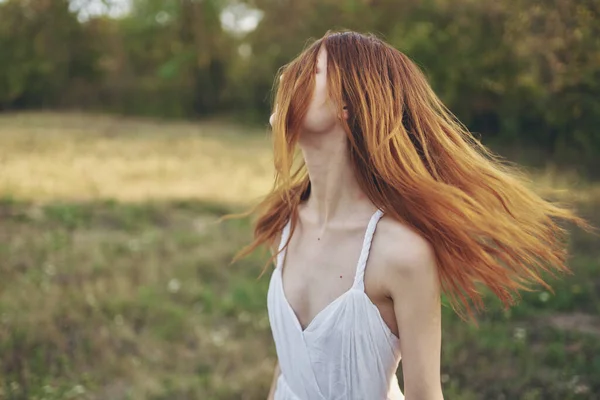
point(81, 157)
point(115, 280)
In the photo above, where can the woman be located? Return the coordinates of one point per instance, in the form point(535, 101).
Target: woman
point(392, 203)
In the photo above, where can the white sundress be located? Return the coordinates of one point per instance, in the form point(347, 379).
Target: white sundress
point(346, 352)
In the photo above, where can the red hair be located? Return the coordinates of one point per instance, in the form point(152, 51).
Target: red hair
point(416, 162)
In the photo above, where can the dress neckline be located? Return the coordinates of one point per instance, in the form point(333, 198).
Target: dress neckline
point(357, 285)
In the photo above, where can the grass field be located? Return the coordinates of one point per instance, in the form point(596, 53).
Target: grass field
point(115, 282)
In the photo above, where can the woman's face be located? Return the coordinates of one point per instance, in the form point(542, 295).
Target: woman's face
point(321, 116)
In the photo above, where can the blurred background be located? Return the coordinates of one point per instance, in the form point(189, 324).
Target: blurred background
point(127, 127)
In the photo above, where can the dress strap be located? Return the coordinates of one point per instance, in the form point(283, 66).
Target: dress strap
point(285, 233)
point(359, 278)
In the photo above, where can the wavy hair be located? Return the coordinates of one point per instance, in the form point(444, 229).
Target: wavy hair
point(417, 163)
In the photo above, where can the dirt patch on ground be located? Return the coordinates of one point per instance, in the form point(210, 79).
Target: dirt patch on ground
point(579, 322)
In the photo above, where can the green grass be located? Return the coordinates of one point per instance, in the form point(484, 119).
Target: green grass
point(115, 296)
point(135, 300)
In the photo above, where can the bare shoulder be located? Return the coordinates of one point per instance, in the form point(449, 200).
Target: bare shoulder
point(402, 250)
point(413, 286)
point(406, 262)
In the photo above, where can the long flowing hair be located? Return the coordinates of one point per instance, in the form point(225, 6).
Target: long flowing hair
point(419, 165)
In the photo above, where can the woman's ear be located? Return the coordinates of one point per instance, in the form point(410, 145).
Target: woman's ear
point(345, 112)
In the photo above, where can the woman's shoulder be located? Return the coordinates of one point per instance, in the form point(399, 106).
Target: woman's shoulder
point(400, 247)
point(404, 264)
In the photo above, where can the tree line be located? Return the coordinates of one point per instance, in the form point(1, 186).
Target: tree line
point(520, 72)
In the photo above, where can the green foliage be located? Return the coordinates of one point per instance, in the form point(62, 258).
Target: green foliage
point(520, 72)
point(43, 48)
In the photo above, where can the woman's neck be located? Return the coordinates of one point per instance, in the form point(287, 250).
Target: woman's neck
point(335, 195)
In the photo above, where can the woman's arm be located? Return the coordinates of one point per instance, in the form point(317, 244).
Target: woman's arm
point(274, 383)
point(414, 288)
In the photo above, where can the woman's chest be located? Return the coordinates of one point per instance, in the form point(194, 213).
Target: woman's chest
point(314, 275)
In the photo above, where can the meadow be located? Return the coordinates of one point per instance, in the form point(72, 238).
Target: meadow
point(116, 283)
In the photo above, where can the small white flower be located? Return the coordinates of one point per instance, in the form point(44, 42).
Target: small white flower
point(520, 333)
point(218, 337)
point(75, 391)
point(581, 389)
point(50, 269)
point(174, 285)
